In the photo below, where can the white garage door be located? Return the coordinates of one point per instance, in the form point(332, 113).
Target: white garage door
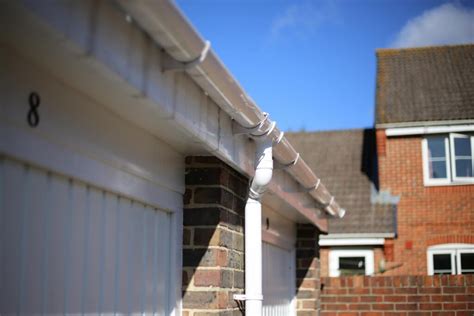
point(278, 281)
point(69, 247)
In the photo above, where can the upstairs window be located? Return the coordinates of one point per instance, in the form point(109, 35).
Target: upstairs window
point(451, 259)
point(448, 159)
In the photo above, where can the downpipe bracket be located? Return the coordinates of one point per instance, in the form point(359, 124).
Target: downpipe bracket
point(290, 164)
point(171, 64)
point(244, 297)
point(314, 187)
point(238, 129)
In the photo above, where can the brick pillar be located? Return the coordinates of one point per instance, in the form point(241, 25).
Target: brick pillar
point(213, 241)
point(381, 139)
point(308, 282)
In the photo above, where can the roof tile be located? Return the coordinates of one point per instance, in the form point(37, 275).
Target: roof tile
point(425, 84)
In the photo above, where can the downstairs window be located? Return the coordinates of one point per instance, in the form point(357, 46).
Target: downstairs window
point(451, 259)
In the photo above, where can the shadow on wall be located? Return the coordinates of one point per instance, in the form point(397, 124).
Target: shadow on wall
point(369, 161)
point(307, 264)
point(213, 240)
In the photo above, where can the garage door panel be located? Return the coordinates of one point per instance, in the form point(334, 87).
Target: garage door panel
point(76, 241)
point(92, 261)
point(110, 243)
point(278, 280)
point(70, 247)
point(11, 219)
point(135, 257)
point(32, 238)
point(151, 257)
point(163, 277)
point(54, 269)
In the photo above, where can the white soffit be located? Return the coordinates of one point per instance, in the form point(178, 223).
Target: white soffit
point(351, 241)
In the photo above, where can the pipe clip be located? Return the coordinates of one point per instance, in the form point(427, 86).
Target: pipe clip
point(238, 129)
point(244, 297)
point(254, 195)
point(314, 187)
point(279, 138)
point(330, 202)
point(265, 132)
point(278, 165)
point(171, 64)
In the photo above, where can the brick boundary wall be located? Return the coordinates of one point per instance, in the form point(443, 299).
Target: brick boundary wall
point(451, 295)
point(213, 240)
point(307, 270)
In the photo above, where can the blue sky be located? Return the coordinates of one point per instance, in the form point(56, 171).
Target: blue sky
point(311, 64)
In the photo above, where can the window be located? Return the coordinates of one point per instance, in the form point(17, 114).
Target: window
point(451, 259)
point(448, 159)
point(351, 262)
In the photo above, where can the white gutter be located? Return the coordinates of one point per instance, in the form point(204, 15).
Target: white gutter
point(164, 22)
point(405, 131)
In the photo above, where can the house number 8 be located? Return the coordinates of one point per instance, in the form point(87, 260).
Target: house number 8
point(33, 115)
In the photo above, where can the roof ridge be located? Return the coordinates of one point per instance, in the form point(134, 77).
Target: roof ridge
point(389, 51)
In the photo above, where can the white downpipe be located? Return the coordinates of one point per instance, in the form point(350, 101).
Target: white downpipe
point(253, 228)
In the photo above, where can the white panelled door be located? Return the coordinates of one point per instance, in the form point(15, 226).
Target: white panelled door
point(278, 281)
point(68, 247)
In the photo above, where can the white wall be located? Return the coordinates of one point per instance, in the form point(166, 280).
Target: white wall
point(62, 235)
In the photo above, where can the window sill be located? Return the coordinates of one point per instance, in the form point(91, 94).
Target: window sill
point(448, 184)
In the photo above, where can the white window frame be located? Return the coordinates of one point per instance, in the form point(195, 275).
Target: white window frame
point(455, 250)
point(459, 252)
point(426, 166)
point(452, 136)
point(335, 254)
point(451, 178)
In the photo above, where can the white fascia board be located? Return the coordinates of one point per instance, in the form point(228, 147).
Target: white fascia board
point(423, 130)
point(425, 123)
point(357, 235)
point(352, 242)
point(174, 110)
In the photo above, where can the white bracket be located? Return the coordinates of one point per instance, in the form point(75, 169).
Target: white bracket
point(278, 165)
point(243, 297)
point(238, 129)
point(170, 64)
point(239, 297)
point(254, 131)
point(314, 187)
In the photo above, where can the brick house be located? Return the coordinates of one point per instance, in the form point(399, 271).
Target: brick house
point(133, 168)
point(408, 182)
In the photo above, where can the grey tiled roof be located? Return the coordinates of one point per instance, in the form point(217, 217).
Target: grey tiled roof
point(425, 84)
point(345, 162)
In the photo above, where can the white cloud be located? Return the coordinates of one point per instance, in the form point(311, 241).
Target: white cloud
point(303, 19)
point(446, 24)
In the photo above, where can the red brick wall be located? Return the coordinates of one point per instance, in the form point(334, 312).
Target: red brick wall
point(213, 243)
point(398, 296)
point(307, 272)
point(426, 215)
point(213, 240)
